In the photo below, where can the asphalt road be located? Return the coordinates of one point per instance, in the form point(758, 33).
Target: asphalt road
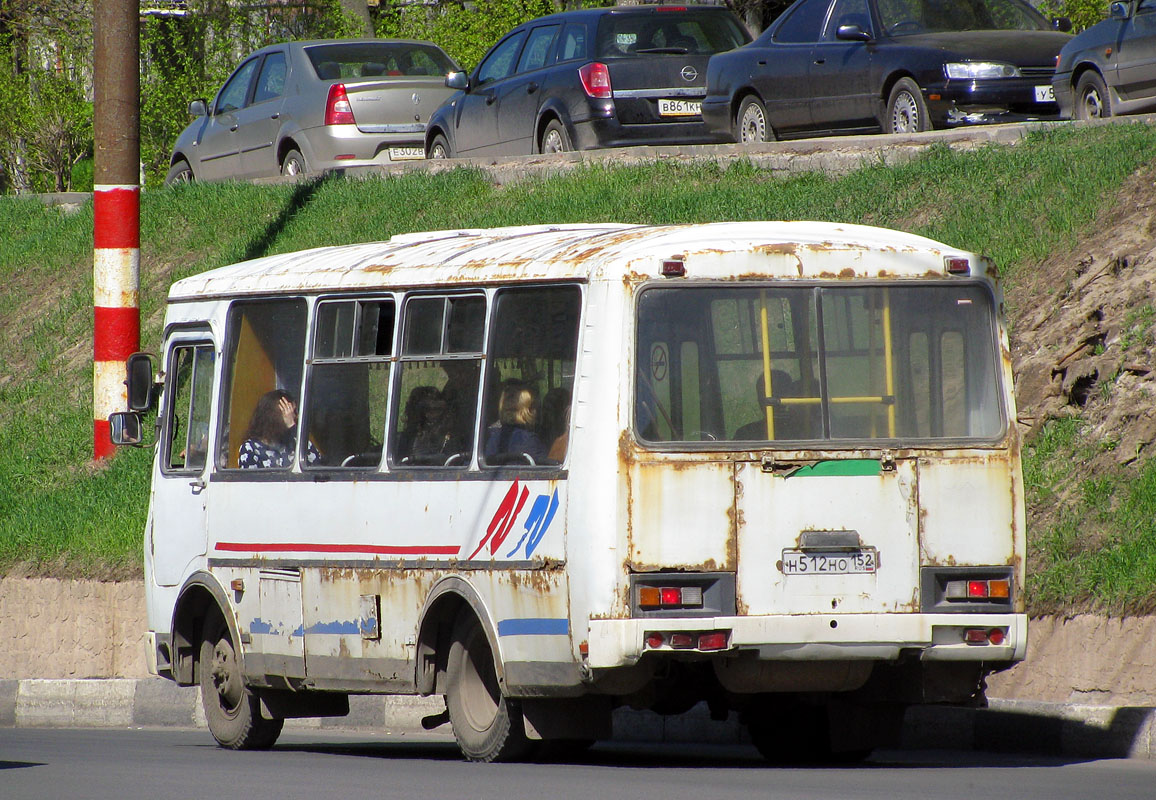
point(149, 763)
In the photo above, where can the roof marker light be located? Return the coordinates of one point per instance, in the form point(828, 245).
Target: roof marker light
point(956, 265)
point(673, 268)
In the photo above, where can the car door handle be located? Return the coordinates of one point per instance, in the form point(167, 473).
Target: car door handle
point(198, 485)
point(531, 88)
point(233, 128)
point(820, 61)
point(276, 116)
point(490, 98)
point(762, 63)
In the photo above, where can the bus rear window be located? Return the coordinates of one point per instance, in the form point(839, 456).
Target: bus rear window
point(808, 363)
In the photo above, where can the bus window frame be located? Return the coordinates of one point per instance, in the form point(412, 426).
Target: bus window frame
point(1002, 392)
point(311, 360)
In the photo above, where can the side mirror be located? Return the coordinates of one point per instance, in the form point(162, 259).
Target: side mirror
point(458, 80)
point(852, 33)
point(125, 428)
point(198, 108)
point(1064, 24)
point(1118, 11)
point(140, 382)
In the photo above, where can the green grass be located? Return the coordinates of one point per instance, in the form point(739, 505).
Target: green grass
point(1018, 204)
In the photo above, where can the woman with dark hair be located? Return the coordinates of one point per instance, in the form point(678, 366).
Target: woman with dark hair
point(272, 435)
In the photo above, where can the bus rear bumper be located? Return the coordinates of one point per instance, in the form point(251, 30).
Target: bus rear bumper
point(828, 637)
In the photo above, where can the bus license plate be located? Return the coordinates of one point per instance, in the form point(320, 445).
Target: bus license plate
point(679, 108)
point(1045, 94)
point(857, 562)
point(406, 153)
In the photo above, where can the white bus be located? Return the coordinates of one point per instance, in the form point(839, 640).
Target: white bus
point(550, 471)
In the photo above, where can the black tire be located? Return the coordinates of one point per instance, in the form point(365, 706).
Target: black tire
point(487, 725)
point(439, 148)
point(231, 709)
point(555, 139)
point(1092, 98)
point(906, 109)
point(751, 123)
point(294, 164)
point(180, 172)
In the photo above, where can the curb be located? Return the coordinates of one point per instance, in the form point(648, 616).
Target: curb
point(1007, 726)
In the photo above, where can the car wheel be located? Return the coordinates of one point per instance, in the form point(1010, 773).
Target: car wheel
point(439, 148)
point(179, 172)
point(554, 139)
point(751, 122)
point(1092, 98)
point(294, 164)
point(906, 109)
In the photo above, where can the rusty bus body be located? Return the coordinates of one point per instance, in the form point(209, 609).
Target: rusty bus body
point(788, 484)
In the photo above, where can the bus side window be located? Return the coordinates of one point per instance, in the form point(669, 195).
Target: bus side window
point(530, 376)
point(266, 354)
point(187, 417)
point(440, 369)
point(348, 387)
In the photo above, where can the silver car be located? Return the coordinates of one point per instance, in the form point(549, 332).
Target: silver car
point(302, 107)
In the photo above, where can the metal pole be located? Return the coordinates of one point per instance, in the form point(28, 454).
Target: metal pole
point(116, 208)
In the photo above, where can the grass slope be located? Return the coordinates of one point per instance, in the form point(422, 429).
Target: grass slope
point(61, 514)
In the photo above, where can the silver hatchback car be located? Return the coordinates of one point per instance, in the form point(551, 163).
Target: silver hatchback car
point(301, 107)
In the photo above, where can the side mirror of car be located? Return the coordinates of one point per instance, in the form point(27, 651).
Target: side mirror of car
point(852, 33)
point(124, 428)
point(1118, 11)
point(1064, 24)
point(140, 382)
point(458, 80)
point(198, 108)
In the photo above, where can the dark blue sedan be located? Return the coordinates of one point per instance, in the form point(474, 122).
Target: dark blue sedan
point(860, 66)
point(1110, 68)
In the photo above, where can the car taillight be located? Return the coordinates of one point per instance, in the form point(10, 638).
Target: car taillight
point(337, 108)
point(595, 79)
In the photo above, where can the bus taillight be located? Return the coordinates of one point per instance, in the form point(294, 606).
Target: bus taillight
point(670, 596)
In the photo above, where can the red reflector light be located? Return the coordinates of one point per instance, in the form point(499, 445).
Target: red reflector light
point(996, 635)
point(956, 266)
point(671, 596)
point(673, 268)
point(595, 79)
point(654, 640)
point(681, 640)
point(712, 641)
point(977, 589)
point(975, 636)
point(338, 111)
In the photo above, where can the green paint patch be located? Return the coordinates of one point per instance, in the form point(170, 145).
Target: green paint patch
point(844, 468)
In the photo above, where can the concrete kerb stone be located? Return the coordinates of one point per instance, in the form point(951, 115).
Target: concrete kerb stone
point(1008, 726)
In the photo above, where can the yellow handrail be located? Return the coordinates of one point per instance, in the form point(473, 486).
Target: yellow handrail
point(766, 334)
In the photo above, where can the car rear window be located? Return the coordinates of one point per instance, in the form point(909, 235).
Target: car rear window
point(698, 32)
point(372, 60)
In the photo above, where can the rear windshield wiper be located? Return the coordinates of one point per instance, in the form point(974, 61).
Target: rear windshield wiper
point(678, 50)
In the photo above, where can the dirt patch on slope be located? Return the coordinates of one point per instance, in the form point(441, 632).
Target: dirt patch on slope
point(1083, 331)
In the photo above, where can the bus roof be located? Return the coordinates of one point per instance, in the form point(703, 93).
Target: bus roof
point(609, 251)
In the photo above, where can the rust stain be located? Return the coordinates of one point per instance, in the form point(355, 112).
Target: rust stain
point(848, 272)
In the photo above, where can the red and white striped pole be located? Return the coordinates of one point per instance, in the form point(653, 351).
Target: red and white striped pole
point(115, 208)
point(116, 302)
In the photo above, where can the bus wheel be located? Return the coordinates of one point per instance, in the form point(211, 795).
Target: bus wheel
point(487, 725)
point(231, 709)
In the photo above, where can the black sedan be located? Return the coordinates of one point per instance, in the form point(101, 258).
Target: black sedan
point(859, 66)
point(1110, 68)
point(585, 79)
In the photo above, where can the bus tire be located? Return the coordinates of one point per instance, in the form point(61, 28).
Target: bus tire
point(232, 711)
point(487, 725)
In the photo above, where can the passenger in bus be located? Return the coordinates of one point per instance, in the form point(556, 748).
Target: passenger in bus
point(786, 423)
point(428, 436)
point(271, 438)
point(513, 437)
point(556, 422)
